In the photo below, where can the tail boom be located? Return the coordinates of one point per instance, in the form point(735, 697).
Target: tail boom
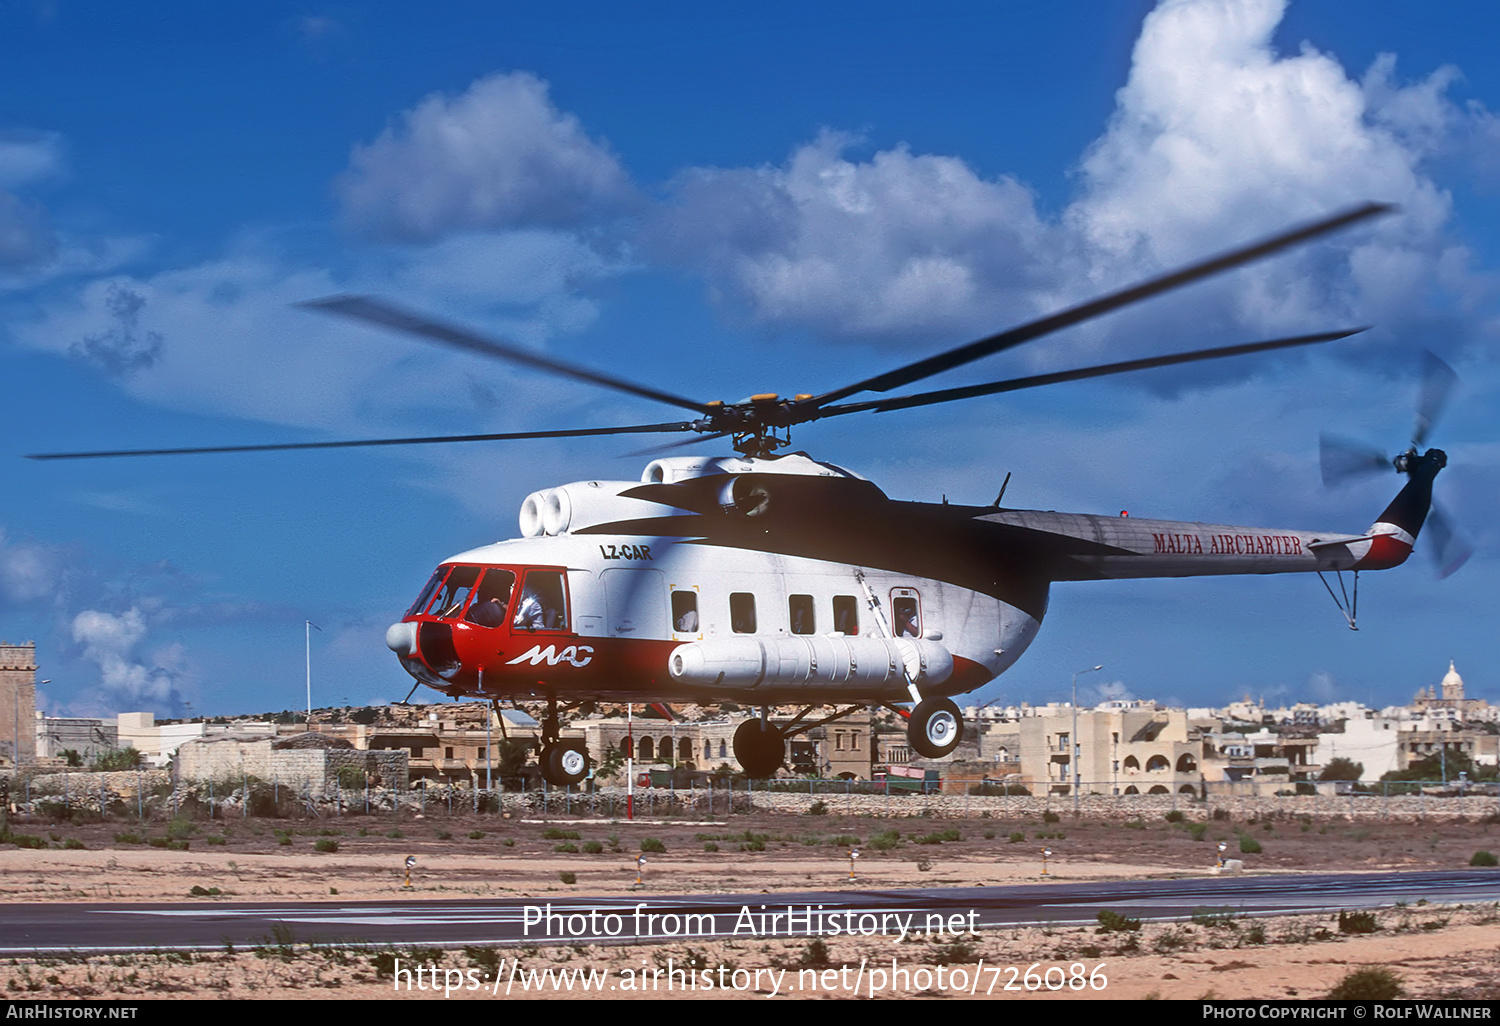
point(1087, 547)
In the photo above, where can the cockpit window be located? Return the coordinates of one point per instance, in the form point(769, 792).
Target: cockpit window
point(455, 593)
point(543, 605)
point(491, 598)
point(432, 585)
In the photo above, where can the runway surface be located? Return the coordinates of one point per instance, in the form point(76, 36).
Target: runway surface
point(40, 928)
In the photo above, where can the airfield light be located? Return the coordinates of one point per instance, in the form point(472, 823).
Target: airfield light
point(1223, 847)
point(411, 862)
point(640, 864)
point(1046, 854)
point(853, 854)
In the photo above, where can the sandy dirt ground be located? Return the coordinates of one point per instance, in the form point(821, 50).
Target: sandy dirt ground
point(1437, 952)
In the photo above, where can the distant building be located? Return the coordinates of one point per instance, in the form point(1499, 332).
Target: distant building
point(446, 744)
point(1270, 761)
point(308, 760)
point(701, 745)
point(1372, 740)
point(1449, 695)
point(17, 703)
point(1120, 748)
point(89, 737)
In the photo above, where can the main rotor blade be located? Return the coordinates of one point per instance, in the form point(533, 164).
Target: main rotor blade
point(1342, 459)
point(378, 311)
point(666, 447)
point(1037, 380)
point(1075, 315)
point(1438, 380)
point(635, 429)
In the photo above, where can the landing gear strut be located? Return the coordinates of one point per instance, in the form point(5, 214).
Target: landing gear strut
point(562, 761)
point(759, 747)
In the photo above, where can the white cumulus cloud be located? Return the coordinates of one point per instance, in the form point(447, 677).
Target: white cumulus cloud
point(900, 241)
point(499, 156)
point(128, 682)
point(26, 234)
point(29, 571)
point(1216, 139)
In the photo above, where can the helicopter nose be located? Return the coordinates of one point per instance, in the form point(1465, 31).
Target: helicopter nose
point(401, 638)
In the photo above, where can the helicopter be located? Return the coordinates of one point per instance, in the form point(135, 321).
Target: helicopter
point(771, 578)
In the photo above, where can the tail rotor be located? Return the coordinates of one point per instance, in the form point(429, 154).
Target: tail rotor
point(1343, 460)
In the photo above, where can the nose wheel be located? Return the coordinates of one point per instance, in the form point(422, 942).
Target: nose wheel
point(563, 761)
point(935, 728)
point(759, 747)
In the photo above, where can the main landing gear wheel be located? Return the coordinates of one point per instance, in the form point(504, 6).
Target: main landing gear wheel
point(564, 763)
point(935, 729)
point(759, 747)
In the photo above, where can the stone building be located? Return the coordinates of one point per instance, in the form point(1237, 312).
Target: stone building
point(309, 760)
point(88, 736)
point(701, 745)
point(17, 703)
point(447, 745)
point(1120, 748)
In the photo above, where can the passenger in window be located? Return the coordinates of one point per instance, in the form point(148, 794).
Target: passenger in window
point(801, 610)
point(684, 612)
point(845, 615)
point(906, 617)
point(529, 612)
point(742, 612)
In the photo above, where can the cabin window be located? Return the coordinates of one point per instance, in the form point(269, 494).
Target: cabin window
point(685, 612)
point(846, 615)
point(450, 601)
point(491, 598)
point(906, 614)
point(742, 612)
point(800, 610)
point(543, 603)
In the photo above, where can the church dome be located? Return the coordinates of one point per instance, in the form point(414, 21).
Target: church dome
point(1453, 684)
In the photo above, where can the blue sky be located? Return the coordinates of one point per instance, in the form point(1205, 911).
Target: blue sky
point(722, 200)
